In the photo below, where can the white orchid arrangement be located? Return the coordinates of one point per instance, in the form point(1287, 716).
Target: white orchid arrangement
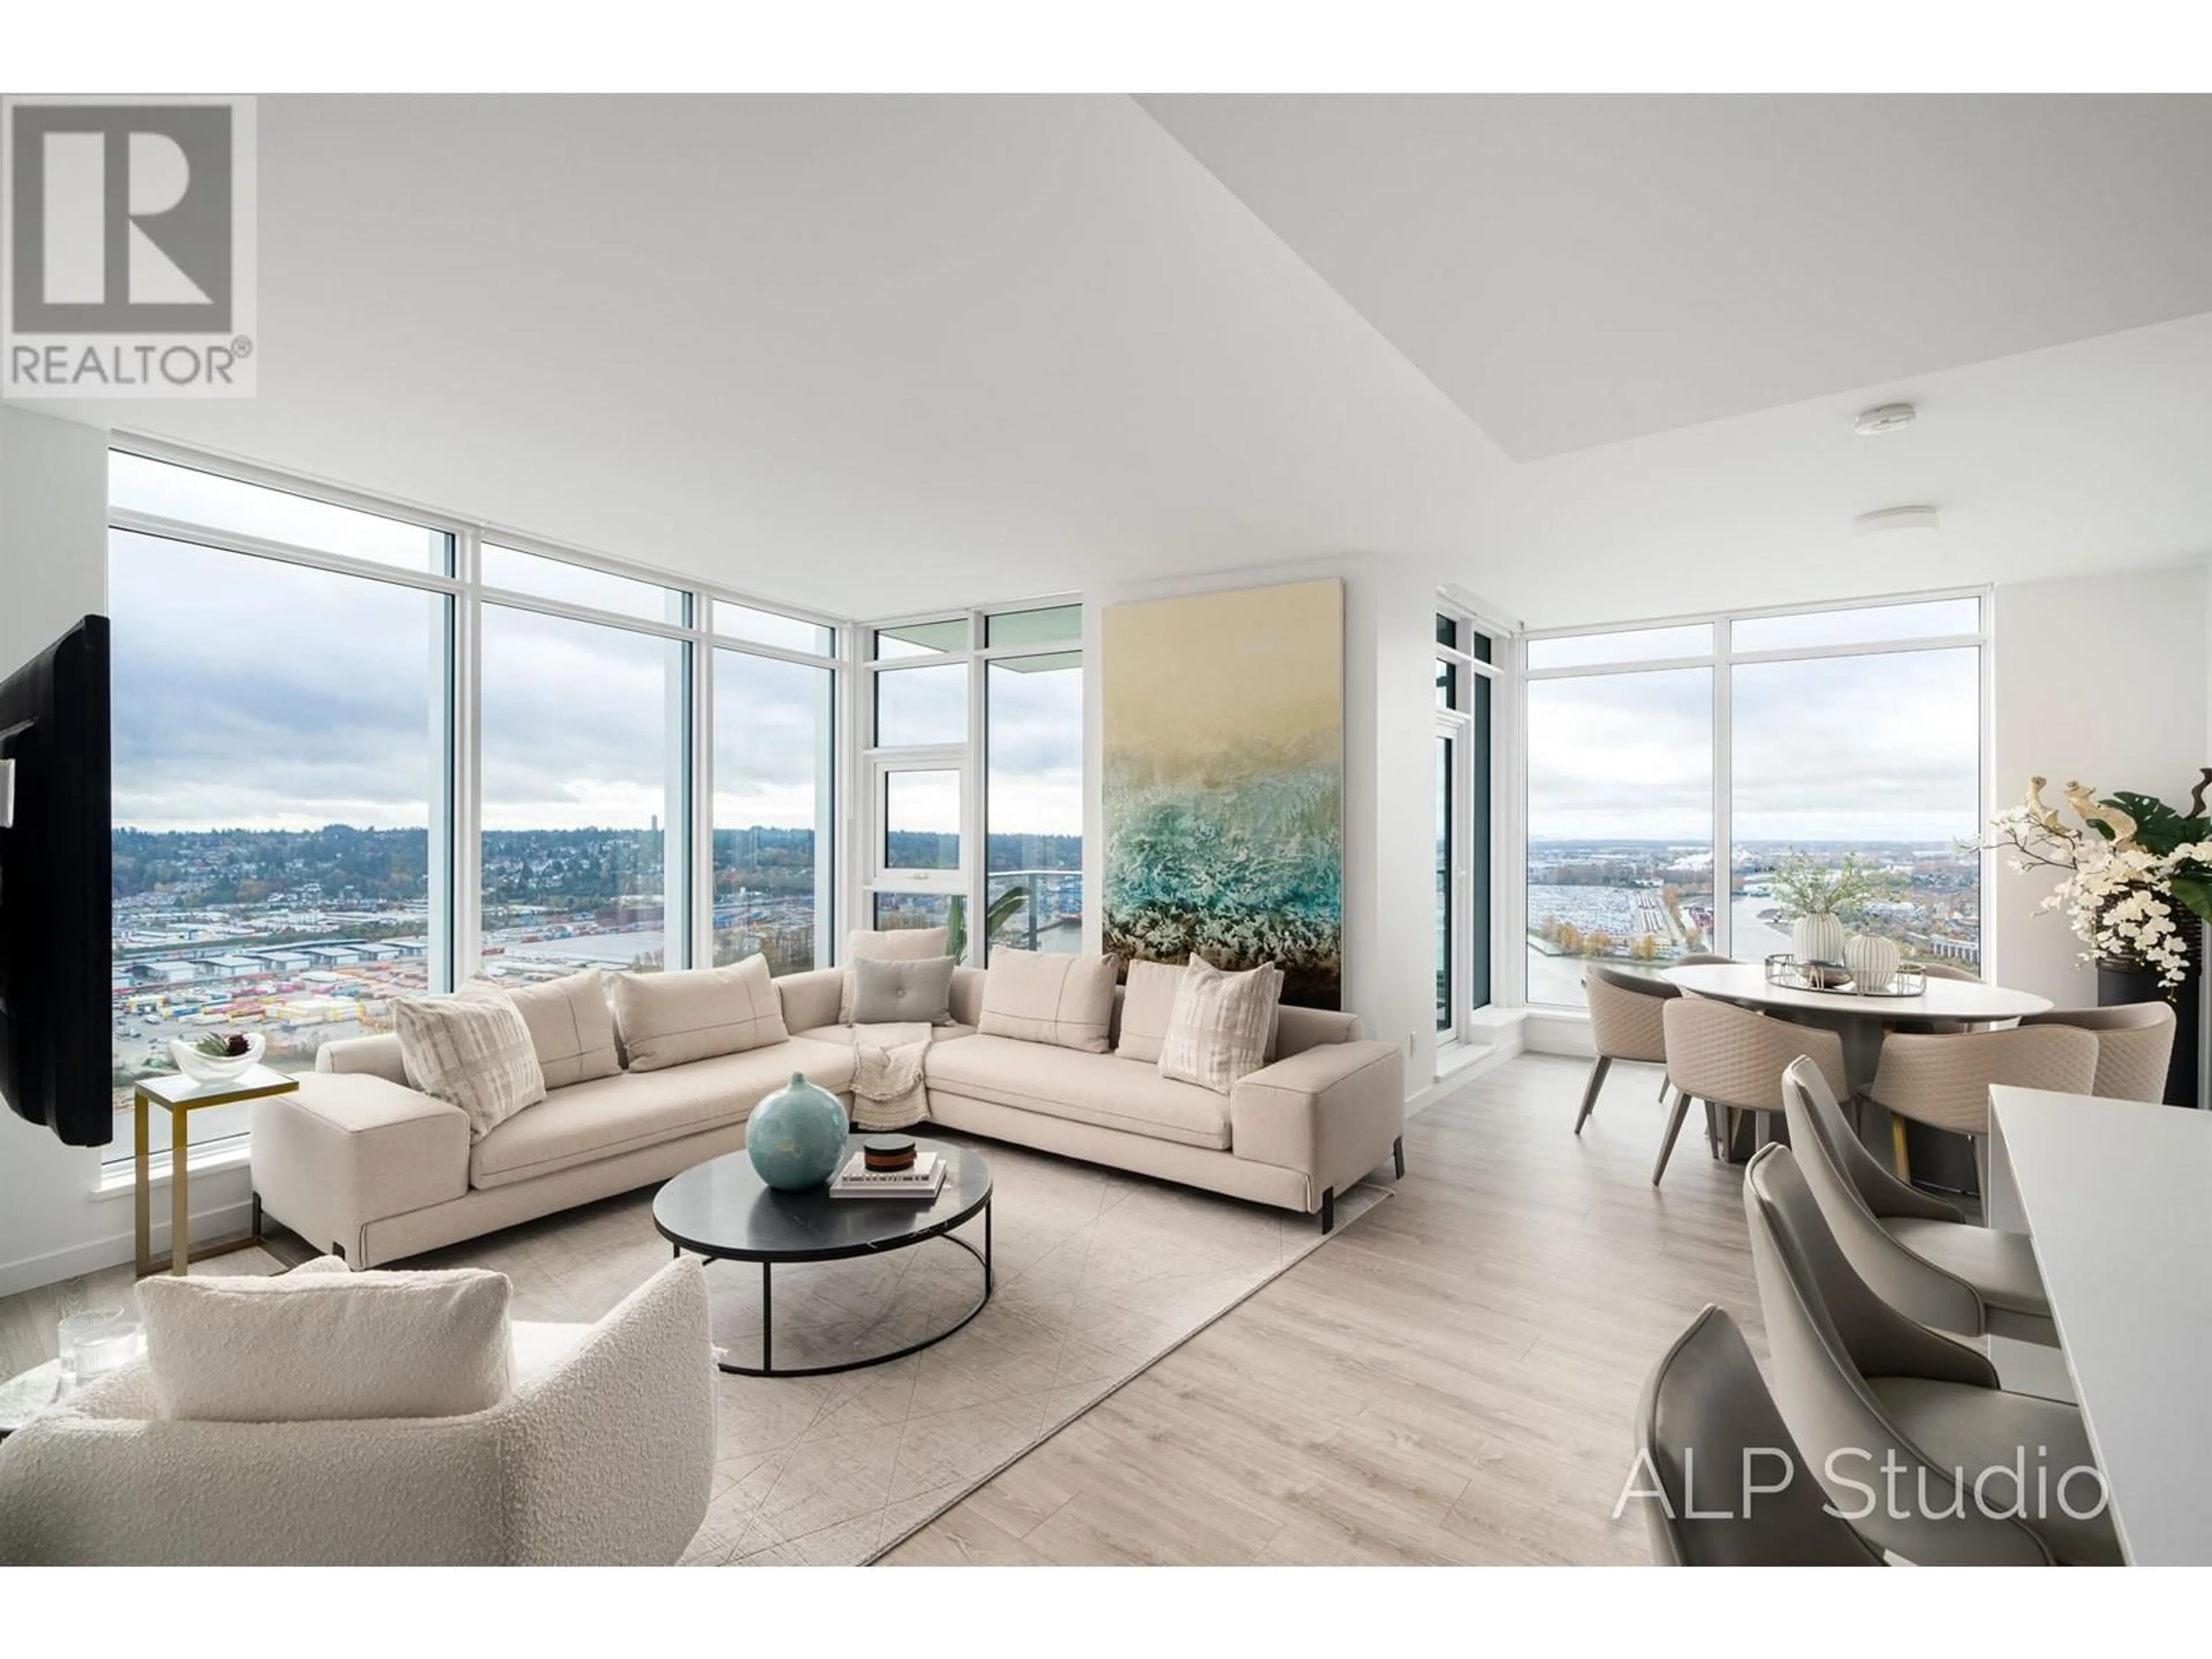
point(2130, 870)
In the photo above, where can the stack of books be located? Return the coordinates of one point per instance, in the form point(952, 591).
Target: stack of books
point(922, 1180)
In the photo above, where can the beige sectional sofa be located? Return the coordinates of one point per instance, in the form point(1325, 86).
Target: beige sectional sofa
point(358, 1162)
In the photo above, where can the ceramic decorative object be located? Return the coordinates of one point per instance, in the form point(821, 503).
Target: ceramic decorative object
point(211, 1068)
point(796, 1137)
point(1817, 937)
point(1873, 960)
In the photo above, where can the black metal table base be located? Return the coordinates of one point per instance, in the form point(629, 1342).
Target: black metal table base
point(768, 1367)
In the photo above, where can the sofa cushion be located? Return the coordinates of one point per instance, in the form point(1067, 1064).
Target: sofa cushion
point(1218, 1030)
point(887, 992)
point(588, 1121)
point(471, 1052)
point(316, 1347)
point(1147, 1004)
point(1104, 1090)
point(674, 1018)
point(886, 944)
point(842, 1035)
point(1049, 997)
point(571, 1027)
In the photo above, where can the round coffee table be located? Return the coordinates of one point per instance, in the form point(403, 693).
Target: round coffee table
point(723, 1210)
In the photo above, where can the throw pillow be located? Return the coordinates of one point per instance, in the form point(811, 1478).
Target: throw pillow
point(474, 1052)
point(1047, 996)
point(890, 992)
point(890, 944)
point(571, 1027)
point(320, 1347)
point(668, 1019)
point(1147, 1001)
point(1218, 1030)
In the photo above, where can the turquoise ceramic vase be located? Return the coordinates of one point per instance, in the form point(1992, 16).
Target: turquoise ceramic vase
point(796, 1137)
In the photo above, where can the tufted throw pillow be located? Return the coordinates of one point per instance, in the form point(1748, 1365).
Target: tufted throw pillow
point(886, 944)
point(474, 1052)
point(1049, 996)
point(897, 992)
point(1218, 1032)
point(668, 1019)
point(322, 1346)
point(571, 1027)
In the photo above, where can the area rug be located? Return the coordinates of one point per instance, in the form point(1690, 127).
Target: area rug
point(1099, 1274)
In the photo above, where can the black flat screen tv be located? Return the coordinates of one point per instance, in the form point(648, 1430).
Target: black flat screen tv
point(56, 871)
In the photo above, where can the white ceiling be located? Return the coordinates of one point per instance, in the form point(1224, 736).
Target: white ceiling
point(1574, 271)
point(870, 354)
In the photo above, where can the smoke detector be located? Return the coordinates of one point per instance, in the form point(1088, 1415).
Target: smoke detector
point(1884, 417)
point(1896, 518)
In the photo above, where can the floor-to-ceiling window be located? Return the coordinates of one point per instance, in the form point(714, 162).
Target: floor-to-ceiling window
point(975, 778)
point(1673, 770)
point(280, 770)
point(363, 752)
point(1461, 763)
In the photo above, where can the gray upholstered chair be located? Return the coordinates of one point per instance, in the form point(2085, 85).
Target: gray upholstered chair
point(1905, 1427)
point(1729, 1057)
point(1943, 1080)
point(1699, 959)
point(1913, 1249)
point(1624, 1024)
point(1948, 970)
point(1705, 1428)
point(2135, 1045)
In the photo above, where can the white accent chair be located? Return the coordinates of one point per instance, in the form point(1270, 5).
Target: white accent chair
point(602, 1453)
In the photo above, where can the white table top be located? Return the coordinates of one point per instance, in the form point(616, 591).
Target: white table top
point(2117, 1197)
point(181, 1093)
point(1944, 999)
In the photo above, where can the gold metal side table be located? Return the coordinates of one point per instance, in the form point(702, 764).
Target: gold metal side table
point(180, 1097)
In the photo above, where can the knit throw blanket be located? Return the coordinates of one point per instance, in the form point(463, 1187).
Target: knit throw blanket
point(887, 1092)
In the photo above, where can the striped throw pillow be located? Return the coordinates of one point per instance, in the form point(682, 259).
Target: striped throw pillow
point(1218, 1031)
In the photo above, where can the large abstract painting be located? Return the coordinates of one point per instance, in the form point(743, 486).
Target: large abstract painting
point(1223, 723)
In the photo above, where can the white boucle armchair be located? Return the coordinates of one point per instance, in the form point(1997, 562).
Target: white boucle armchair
point(603, 1453)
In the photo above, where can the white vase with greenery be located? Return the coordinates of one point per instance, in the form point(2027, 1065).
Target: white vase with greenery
point(1815, 898)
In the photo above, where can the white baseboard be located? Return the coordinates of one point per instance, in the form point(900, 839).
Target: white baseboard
point(114, 1250)
point(1478, 1060)
point(1558, 1031)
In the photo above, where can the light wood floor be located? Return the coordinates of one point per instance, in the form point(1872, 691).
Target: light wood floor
point(1453, 1379)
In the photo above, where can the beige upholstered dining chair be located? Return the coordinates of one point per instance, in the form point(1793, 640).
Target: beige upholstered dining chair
point(1944, 1079)
point(1866, 1391)
point(1624, 1024)
point(1729, 1057)
point(2135, 1044)
point(1706, 1420)
point(1949, 970)
point(1914, 1251)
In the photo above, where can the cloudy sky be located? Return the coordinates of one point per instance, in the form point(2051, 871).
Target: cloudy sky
point(1875, 748)
point(250, 693)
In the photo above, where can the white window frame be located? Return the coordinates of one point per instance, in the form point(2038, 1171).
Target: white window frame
point(1722, 659)
point(971, 883)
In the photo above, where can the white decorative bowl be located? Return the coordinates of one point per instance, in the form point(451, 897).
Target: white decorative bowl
point(206, 1068)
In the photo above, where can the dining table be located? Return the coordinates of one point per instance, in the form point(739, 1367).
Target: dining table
point(1859, 1020)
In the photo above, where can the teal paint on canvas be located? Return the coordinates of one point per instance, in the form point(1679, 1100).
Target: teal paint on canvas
point(1222, 718)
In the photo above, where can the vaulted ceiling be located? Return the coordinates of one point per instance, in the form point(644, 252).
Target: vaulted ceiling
point(1590, 357)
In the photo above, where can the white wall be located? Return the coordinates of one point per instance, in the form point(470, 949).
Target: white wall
point(1390, 612)
point(2103, 679)
point(53, 570)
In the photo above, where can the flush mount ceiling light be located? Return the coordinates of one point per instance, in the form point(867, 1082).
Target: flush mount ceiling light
point(1896, 518)
point(1883, 417)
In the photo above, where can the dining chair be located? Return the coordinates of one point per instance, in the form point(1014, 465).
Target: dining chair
point(1624, 1024)
point(1704, 1426)
point(1907, 1428)
point(1943, 1079)
point(1914, 1251)
point(2135, 1045)
point(1949, 970)
point(1733, 1060)
point(1702, 959)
